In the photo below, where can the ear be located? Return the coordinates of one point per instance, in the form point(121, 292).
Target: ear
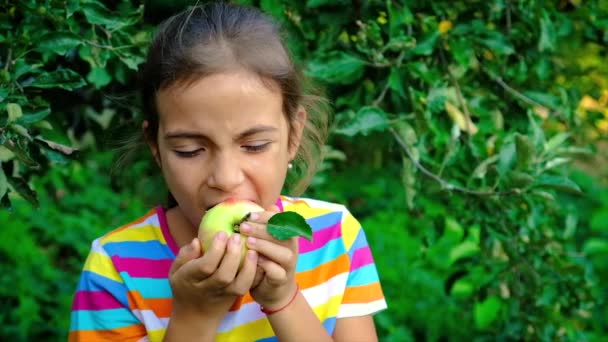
point(151, 142)
point(297, 129)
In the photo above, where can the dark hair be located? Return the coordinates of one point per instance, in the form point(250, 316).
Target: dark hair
point(218, 37)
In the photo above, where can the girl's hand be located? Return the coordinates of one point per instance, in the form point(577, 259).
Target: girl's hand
point(277, 259)
point(206, 286)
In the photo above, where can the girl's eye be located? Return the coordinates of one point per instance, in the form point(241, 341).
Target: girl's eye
point(187, 154)
point(256, 148)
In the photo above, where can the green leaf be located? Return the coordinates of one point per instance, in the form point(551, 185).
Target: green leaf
point(368, 118)
point(557, 183)
point(462, 288)
point(3, 182)
point(67, 150)
point(596, 246)
point(14, 111)
point(556, 141)
point(547, 33)
point(518, 179)
point(525, 151)
point(99, 77)
point(498, 44)
point(599, 220)
point(64, 78)
point(395, 83)
point(481, 169)
point(29, 119)
point(96, 13)
point(426, 46)
point(21, 187)
point(288, 224)
point(58, 42)
point(336, 67)
point(463, 250)
point(486, 312)
point(506, 158)
point(21, 155)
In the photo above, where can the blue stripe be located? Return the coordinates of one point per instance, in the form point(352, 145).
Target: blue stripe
point(360, 241)
point(90, 281)
point(153, 250)
point(102, 319)
point(330, 324)
point(148, 287)
point(363, 276)
point(331, 251)
point(325, 220)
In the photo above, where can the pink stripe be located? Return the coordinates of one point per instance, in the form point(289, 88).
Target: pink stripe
point(94, 300)
point(361, 257)
point(164, 227)
point(320, 238)
point(143, 268)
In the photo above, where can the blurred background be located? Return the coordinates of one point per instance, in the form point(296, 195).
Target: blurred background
point(470, 139)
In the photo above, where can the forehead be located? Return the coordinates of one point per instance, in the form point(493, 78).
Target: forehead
point(220, 96)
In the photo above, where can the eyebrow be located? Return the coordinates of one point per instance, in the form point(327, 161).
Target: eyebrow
point(196, 135)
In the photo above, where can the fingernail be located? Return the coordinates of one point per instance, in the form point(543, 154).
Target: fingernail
point(254, 216)
point(221, 236)
point(245, 228)
point(236, 238)
point(251, 241)
point(252, 255)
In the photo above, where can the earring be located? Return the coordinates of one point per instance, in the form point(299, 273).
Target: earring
point(289, 166)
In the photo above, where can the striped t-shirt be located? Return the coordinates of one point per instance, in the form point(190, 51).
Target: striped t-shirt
point(124, 292)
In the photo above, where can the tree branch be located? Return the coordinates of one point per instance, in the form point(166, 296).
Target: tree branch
point(445, 184)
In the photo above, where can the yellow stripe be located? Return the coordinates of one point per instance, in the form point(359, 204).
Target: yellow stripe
point(102, 265)
point(156, 335)
point(143, 233)
point(247, 332)
point(350, 230)
point(329, 308)
point(305, 210)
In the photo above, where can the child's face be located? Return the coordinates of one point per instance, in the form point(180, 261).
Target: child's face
point(223, 136)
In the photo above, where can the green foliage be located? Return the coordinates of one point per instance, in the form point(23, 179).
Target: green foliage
point(58, 61)
point(460, 129)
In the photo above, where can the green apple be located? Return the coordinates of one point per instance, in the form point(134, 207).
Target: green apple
point(225, 217)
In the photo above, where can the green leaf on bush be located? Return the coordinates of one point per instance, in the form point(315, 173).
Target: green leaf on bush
point(486, 312)
point(14, 111)
point(336, 67)
point(368, 118)
point(58, 42)
point(285, 225)
point(506, 158)
point(547, 33)
point(557, 183)
point(426, 46)
point(64, 78)
point(29, 119)
point(463, 250)
point(3, 182)
point(21, 187)
point(99, 77)
point(596, 246)
point(525, 151)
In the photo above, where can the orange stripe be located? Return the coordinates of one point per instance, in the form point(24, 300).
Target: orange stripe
point(308, 279)
point(161, 306)
point(296, 202)
point(128, 225)
point(324, 272)
point(130, 333)
point(362, 294)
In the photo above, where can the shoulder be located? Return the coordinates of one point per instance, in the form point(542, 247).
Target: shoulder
point(320, 213)
point(144, 228)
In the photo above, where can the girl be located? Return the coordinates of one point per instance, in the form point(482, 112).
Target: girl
point(225, 117)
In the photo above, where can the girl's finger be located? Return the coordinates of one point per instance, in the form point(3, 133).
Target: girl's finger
point(186, 253)
point(273, 272)
point(245, 277)
point(209, 262)
point(229, 265)
point(282, 255)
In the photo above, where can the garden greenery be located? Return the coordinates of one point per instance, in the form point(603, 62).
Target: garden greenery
point(468, 140)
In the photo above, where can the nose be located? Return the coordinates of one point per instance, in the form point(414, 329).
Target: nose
point(226, 173)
